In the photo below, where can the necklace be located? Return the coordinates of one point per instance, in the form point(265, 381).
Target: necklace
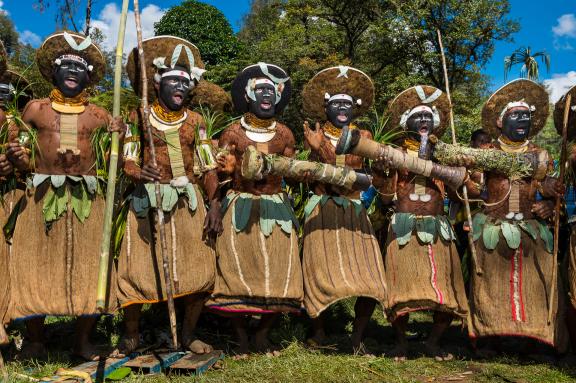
point(257, 125)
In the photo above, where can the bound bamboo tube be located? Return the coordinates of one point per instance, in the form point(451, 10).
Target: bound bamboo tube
point(255, 165)
point(352, 143)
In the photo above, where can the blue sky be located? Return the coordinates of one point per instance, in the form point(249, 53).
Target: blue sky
point(549, 26)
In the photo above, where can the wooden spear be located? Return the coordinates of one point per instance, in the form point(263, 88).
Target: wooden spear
point(113, 165)
point(477, 267)
point(562, 165)
point(159, 211)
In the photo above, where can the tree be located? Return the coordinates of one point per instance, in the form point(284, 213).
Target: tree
point(8, 34)
point(204, 26)
point(66, 13)
point(524, 56)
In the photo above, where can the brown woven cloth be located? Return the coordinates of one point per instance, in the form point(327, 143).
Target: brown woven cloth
point(10, 200)
point(49, 274)
point(255, 273)
point(510, 298)
point(140, 271)
point(341, 258)
point(423, 277)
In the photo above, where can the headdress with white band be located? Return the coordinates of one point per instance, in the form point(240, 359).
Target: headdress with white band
point(341, 96)
point(515, 104)
point(423, 108)
point(276, 82)
point(84, 44)
point(160, 63)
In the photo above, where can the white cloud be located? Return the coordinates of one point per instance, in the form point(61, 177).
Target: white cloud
point(566, 26)
point(3, 11)
point(559, 84)
point(108, 22)
point(29, 37)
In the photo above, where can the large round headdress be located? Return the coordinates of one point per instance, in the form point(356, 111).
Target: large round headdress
point(163, 53)
point(400, 107)
point(335, 82)
point(60, 44)
point(520, 92)
point(559, 114)
point(244, 83)
point(212, 96)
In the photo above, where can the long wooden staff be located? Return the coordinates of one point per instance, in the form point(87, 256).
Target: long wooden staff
point(562, 165)
point(159, 211)
point(113, 165)
point(477, 267)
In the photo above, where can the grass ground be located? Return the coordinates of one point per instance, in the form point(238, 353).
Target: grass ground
point(299, 364)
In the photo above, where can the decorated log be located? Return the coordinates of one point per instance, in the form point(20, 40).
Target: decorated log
point(513, 165)
point(352, 143)
point(256, 165)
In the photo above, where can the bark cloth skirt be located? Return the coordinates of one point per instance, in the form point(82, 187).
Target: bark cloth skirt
point(191, 260)
point(258, 263)
point(341, 257)
point(54, 268)
point(511, 297)
point(422, 267)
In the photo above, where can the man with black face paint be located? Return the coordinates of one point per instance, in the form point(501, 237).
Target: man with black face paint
point(174, 68)
point(258, 263)
point(421, 261)
point(53, 267)
point(513, 240)
point(341, 256)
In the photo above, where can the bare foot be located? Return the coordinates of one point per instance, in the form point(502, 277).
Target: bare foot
point(87, 351)
point(199, 347)
point(241, 356)
point(434, 351)
point(399, 353)
point(32, 350)
point(127, 345)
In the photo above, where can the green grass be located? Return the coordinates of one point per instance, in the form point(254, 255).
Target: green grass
point(299, 364)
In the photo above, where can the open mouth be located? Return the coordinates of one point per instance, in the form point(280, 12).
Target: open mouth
point(342, 118)
point(423, 130)
point(177, 99)
point(265, 105)
point(71, 82)
point(520, 130)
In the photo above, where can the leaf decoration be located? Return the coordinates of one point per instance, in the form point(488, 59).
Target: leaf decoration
point(358, 206)
point(54, 204)
point(426, 229)
point(546, 236)
point(267, 220)
point(140, 201)
point(444, 228)
point(57, 180)
point(511, 233)
point(311, 205)
point(477, 223)
point(91, 184)
point(491, 235)
point(190, 192)
point(80, 201)
point(402, 225)
point(241, 213)
point(38, 179)
point(169, 197)
point(529, 229)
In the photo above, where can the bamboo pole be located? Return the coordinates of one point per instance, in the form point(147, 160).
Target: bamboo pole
point(113, 165)
point(563, 155)
point(477, 267)
point(159, 211)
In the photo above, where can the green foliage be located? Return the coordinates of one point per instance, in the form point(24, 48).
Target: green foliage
point(528, 60)
point(8, 34)
point(549, 139)
point(128, 101)
point(203, 25)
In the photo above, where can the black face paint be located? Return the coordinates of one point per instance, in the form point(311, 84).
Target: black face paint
point(6, 95)
point(173, 91)
point(264, 106)
point(516, 124)
point(420, 124)
point(339, 112)
point(71, 77)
